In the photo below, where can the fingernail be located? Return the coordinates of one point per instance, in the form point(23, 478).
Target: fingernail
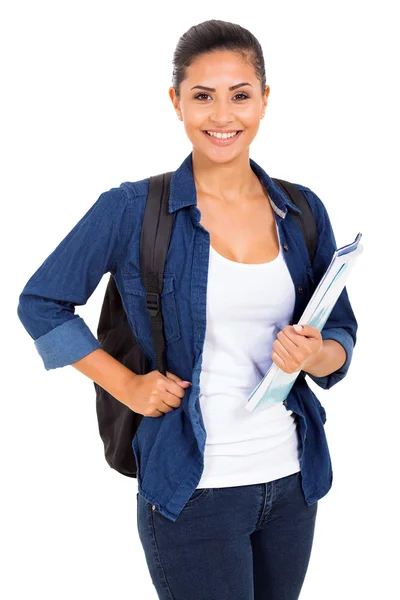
point(188, 382)
point(297, 328)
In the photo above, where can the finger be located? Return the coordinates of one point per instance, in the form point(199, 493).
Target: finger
point(161, 412)
point(172, 376)
point(279, 361)
point(175, 389)
point(177, 379)
point(288, 340)
point(281, 351)
point(307, 331)
point(299, 339)
point(291, 358)
point(172, 400)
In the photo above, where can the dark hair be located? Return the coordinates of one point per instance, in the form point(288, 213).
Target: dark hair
point(216, 35)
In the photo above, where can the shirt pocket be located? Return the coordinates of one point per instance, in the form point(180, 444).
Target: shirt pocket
point(140, 317)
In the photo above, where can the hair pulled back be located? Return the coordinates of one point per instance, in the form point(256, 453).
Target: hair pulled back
point(211, 36)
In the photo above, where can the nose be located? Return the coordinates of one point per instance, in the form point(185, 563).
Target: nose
point(221, 113)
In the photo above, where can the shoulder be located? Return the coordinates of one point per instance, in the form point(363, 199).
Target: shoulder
point(317, 206)
point(321, 216)
point(135, 190)
point(312, 198)
point(126, 195)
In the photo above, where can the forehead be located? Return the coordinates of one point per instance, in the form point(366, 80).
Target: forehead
point(219, 68)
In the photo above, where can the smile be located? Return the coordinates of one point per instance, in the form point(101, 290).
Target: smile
point(222, 139)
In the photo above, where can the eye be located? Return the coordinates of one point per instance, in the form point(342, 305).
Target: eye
point(199, 96)
point(244, 96)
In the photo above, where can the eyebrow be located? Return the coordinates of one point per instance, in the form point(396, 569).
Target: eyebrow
point(208, 89)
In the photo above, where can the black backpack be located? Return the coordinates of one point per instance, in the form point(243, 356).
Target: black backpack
point(118, 423)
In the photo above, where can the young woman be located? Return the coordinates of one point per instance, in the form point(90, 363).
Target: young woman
point(227, 499)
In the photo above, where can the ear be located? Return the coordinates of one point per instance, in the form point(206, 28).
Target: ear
point(175, 102)
point(265, 97)
point(264, 101)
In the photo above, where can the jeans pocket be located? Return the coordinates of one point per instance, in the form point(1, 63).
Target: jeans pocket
point(197, 496)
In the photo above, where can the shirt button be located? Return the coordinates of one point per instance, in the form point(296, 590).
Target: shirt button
point(285, 402)
point(285, 247)
point(153, 507)
point(300, 289)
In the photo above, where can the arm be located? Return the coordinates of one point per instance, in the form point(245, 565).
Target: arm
point(341, 327)
point(331, 358)
point(68, 277)
point(109, 373)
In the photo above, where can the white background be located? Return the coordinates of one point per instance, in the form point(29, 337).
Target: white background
point(85, 106)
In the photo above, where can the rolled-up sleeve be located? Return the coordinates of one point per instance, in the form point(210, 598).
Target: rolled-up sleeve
point(68, 277)
point(341, 325)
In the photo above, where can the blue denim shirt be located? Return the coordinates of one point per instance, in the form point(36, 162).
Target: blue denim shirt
point(170, 449)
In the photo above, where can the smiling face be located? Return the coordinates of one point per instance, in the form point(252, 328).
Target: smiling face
point(233, 101)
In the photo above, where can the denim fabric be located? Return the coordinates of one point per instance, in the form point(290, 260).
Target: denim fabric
point(249, 542)
point(169, 450)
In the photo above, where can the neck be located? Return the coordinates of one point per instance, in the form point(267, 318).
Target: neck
point(231, 181)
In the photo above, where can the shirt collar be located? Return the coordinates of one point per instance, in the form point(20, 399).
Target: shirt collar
point(183, 190)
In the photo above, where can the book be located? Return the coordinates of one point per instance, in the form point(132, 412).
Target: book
point(276, 384)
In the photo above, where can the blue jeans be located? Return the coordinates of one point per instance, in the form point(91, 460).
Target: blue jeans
point(250, 542)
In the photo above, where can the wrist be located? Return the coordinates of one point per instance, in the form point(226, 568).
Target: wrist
point(128, 383)
point(329, 359)
point(315, 360)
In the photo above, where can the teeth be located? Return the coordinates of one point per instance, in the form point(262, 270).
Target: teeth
point(223, 136)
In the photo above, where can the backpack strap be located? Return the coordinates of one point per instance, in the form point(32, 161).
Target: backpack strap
point(155, 239)
point(154, 243)
point(305, 220)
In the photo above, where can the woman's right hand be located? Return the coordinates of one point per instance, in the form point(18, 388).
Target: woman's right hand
point(153, 394)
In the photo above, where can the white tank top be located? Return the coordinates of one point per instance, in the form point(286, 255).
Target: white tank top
point(247, 304)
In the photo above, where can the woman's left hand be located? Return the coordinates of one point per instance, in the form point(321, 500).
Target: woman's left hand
point(296, 351)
